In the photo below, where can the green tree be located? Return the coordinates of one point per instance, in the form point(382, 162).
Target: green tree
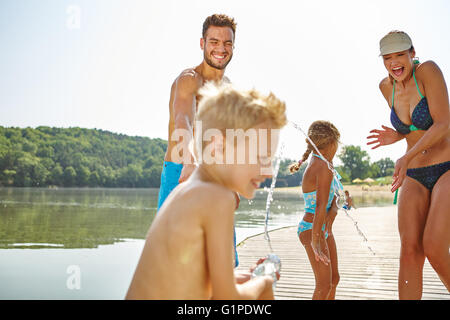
point(386, 166)
point(40, 175)
point(129, 176)
point(29, 147)
point(374, 170)
point(24, 170)
point(8, 177)
point(56, 175)
point(345, 177)
point(94, 179)
point(83, 175)
point(90, 157)
point(69, 176)
point(356, 162)
point(45, 151)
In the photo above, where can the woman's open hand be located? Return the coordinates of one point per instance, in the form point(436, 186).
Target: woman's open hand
point(384, 137)
point(399, 173)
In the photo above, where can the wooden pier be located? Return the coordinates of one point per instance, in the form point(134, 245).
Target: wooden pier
point(363, 275)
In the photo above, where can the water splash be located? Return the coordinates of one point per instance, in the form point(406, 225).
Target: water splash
point(355, 223)
point(270, 195)
point(337, 192)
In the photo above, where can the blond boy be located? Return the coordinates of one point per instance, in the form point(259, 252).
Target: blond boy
point(188, 252)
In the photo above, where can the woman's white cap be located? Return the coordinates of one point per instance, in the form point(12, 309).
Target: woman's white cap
point(395, 41)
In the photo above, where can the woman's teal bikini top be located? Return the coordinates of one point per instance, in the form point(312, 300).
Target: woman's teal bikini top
point(421, 117)
point(311, 197)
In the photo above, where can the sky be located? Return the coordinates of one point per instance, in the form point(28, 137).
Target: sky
point(109, 64)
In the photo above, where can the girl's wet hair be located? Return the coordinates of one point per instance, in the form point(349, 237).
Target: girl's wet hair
point(322, 133)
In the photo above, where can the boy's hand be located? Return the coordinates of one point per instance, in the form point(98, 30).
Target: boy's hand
point(252, 268)
point(242, 276)
point(261, 260)
point(267, 293)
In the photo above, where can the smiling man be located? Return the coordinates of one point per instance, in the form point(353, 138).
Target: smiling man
point(217, 43)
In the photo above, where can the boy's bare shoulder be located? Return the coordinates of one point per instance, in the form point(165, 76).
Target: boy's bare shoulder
point(214, 195)
point(199, 196)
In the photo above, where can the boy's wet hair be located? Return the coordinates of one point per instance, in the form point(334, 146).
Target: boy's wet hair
point(219, 20)
point(322, 133)
point(224, 107)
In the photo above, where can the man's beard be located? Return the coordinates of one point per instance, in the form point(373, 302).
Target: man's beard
point(215, 66)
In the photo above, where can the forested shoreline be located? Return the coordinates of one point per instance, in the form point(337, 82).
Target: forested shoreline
point(79, 157)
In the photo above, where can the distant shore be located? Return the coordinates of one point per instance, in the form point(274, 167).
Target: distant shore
point(353, 189)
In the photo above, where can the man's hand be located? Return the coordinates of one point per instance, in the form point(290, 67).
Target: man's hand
point(186, 172)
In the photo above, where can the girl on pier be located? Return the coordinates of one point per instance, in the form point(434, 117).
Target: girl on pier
point(320, 182)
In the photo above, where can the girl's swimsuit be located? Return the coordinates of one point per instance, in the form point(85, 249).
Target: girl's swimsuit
point(311, 199)
point(421, 120)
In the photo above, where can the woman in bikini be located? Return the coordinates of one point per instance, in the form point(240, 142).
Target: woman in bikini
point(418, 97)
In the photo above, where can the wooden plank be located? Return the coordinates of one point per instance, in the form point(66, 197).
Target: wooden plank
point(362, 274)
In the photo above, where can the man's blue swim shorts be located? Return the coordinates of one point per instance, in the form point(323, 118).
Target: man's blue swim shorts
point(170, 174)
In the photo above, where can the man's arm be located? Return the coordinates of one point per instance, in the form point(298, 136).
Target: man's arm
point(184, 107)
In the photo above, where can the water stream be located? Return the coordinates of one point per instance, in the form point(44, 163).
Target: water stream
point(270, 195)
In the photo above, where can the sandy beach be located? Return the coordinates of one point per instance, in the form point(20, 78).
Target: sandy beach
point(368, 270)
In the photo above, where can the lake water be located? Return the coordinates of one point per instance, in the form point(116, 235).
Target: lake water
point(85, 243)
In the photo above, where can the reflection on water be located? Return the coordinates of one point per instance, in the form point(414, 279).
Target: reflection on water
point(43, 232)
point(73, 218)
point(87, 218)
